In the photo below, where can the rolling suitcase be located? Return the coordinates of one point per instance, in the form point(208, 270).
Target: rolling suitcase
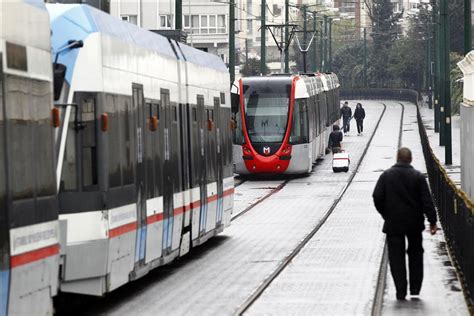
point(340, 162)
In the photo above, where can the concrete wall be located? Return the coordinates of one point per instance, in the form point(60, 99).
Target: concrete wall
point(467, 125)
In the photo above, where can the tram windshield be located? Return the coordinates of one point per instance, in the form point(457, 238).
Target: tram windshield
point(266, 114)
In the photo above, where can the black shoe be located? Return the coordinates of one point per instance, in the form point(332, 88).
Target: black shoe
point(401, 297)
point(414, 293)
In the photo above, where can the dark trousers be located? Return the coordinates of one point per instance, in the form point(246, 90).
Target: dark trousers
point(396, 256)
point(346, 124)
point(360, 126)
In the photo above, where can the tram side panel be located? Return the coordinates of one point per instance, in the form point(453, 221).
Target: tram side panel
point(29, 238)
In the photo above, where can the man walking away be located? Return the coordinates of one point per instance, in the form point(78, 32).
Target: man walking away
point(402, 197)
point(359, 115)
point(346, 114)
point(335, 139)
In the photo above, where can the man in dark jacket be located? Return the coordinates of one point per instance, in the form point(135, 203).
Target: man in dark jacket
point(346, 114)
point(359, 115)
point(335, 139)
point(402, 197)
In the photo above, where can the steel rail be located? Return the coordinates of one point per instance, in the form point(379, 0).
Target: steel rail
point(285, 262)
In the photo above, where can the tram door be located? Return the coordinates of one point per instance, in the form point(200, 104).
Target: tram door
point(202, 159)
point(138, 106)
point(4, 227)
point(220, 160)
point(167, 173)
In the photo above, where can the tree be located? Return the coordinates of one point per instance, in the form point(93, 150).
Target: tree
point(252, 68)
point(385, 31)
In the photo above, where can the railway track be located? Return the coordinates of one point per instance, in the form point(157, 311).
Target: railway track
point(286, 261)
point(382, 277)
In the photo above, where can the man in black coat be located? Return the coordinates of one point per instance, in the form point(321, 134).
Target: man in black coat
point(346, 114)
point(402, 197)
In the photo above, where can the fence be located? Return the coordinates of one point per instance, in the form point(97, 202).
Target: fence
point(456, 212)
point(455, 209)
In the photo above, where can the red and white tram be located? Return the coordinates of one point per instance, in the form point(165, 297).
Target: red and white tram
point(282, 122)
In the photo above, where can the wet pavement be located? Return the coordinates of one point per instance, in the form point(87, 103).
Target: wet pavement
point(441, 292)
point(336, 273)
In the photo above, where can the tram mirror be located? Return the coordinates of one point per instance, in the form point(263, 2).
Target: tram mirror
point(234, 102)
point(59, 75)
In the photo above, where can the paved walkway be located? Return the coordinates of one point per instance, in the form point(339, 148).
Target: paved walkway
point(453, 170)
point(441, 292)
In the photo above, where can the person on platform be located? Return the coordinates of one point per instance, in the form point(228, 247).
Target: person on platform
point(335, 139)
point(359, 115)
point(346, 113)
point(402, 197)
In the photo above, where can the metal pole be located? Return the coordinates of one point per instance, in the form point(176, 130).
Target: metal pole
point(179, 15)
point(321, 44)
point(287, 36)
point(467, 27)
point(263, 63)
point(325, 54)
point(365, 57)
point(437, 112)
point(448, 159)
point(330, 46)
point(231, 40)
point(314, 68)
point(305, 29)
point(430, 74)
point(442, 72)
point(246, 51)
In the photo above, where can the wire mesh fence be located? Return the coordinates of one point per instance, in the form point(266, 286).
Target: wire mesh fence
point(455, 208)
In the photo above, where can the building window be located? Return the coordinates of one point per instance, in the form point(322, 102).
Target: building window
point(166, 21)
point(130, 19)
point(205, 24)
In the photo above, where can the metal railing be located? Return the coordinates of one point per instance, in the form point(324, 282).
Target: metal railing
point(455, 208)
point(456, 214)
point(380, 94)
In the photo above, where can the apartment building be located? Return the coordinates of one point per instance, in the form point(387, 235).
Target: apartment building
point(205, 21)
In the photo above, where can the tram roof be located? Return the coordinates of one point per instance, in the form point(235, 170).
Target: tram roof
point(78, 21)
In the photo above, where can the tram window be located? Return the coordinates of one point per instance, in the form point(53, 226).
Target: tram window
point(194, 114)
point(222, 98)
point(89, 149)
point(299, 128)
point(2, 148)
point(175, 114)
point(115, 142)
point(127, 127)
point(40, 102)
point(20, 118)
point(157, 106)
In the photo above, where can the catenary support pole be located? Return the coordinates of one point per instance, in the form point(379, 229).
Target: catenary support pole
point(447, 83)
point(305, 30)
point(314, 61)
point(321, 47)
point(365, 57)
point(430, 72)
point(325, 53)
point(287, 36)
point(467, 27)
point(179, 15)
point(263, 53)
point(436, 28)
point(330, 46)
point(232, 41)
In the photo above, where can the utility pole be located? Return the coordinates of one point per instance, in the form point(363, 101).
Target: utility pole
point(232, 40)
point(442, 72)
point(314, 46)
point(287, 36)
point(325, 53)
point(263, 42)
point(467, 27)
point(365, 57)
point(179, 15)
point(330, 46)
point(430, 74)
point(246, 51)
point(446, 82)
point(437, 112)
point(303, 8)
point(321, 47)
